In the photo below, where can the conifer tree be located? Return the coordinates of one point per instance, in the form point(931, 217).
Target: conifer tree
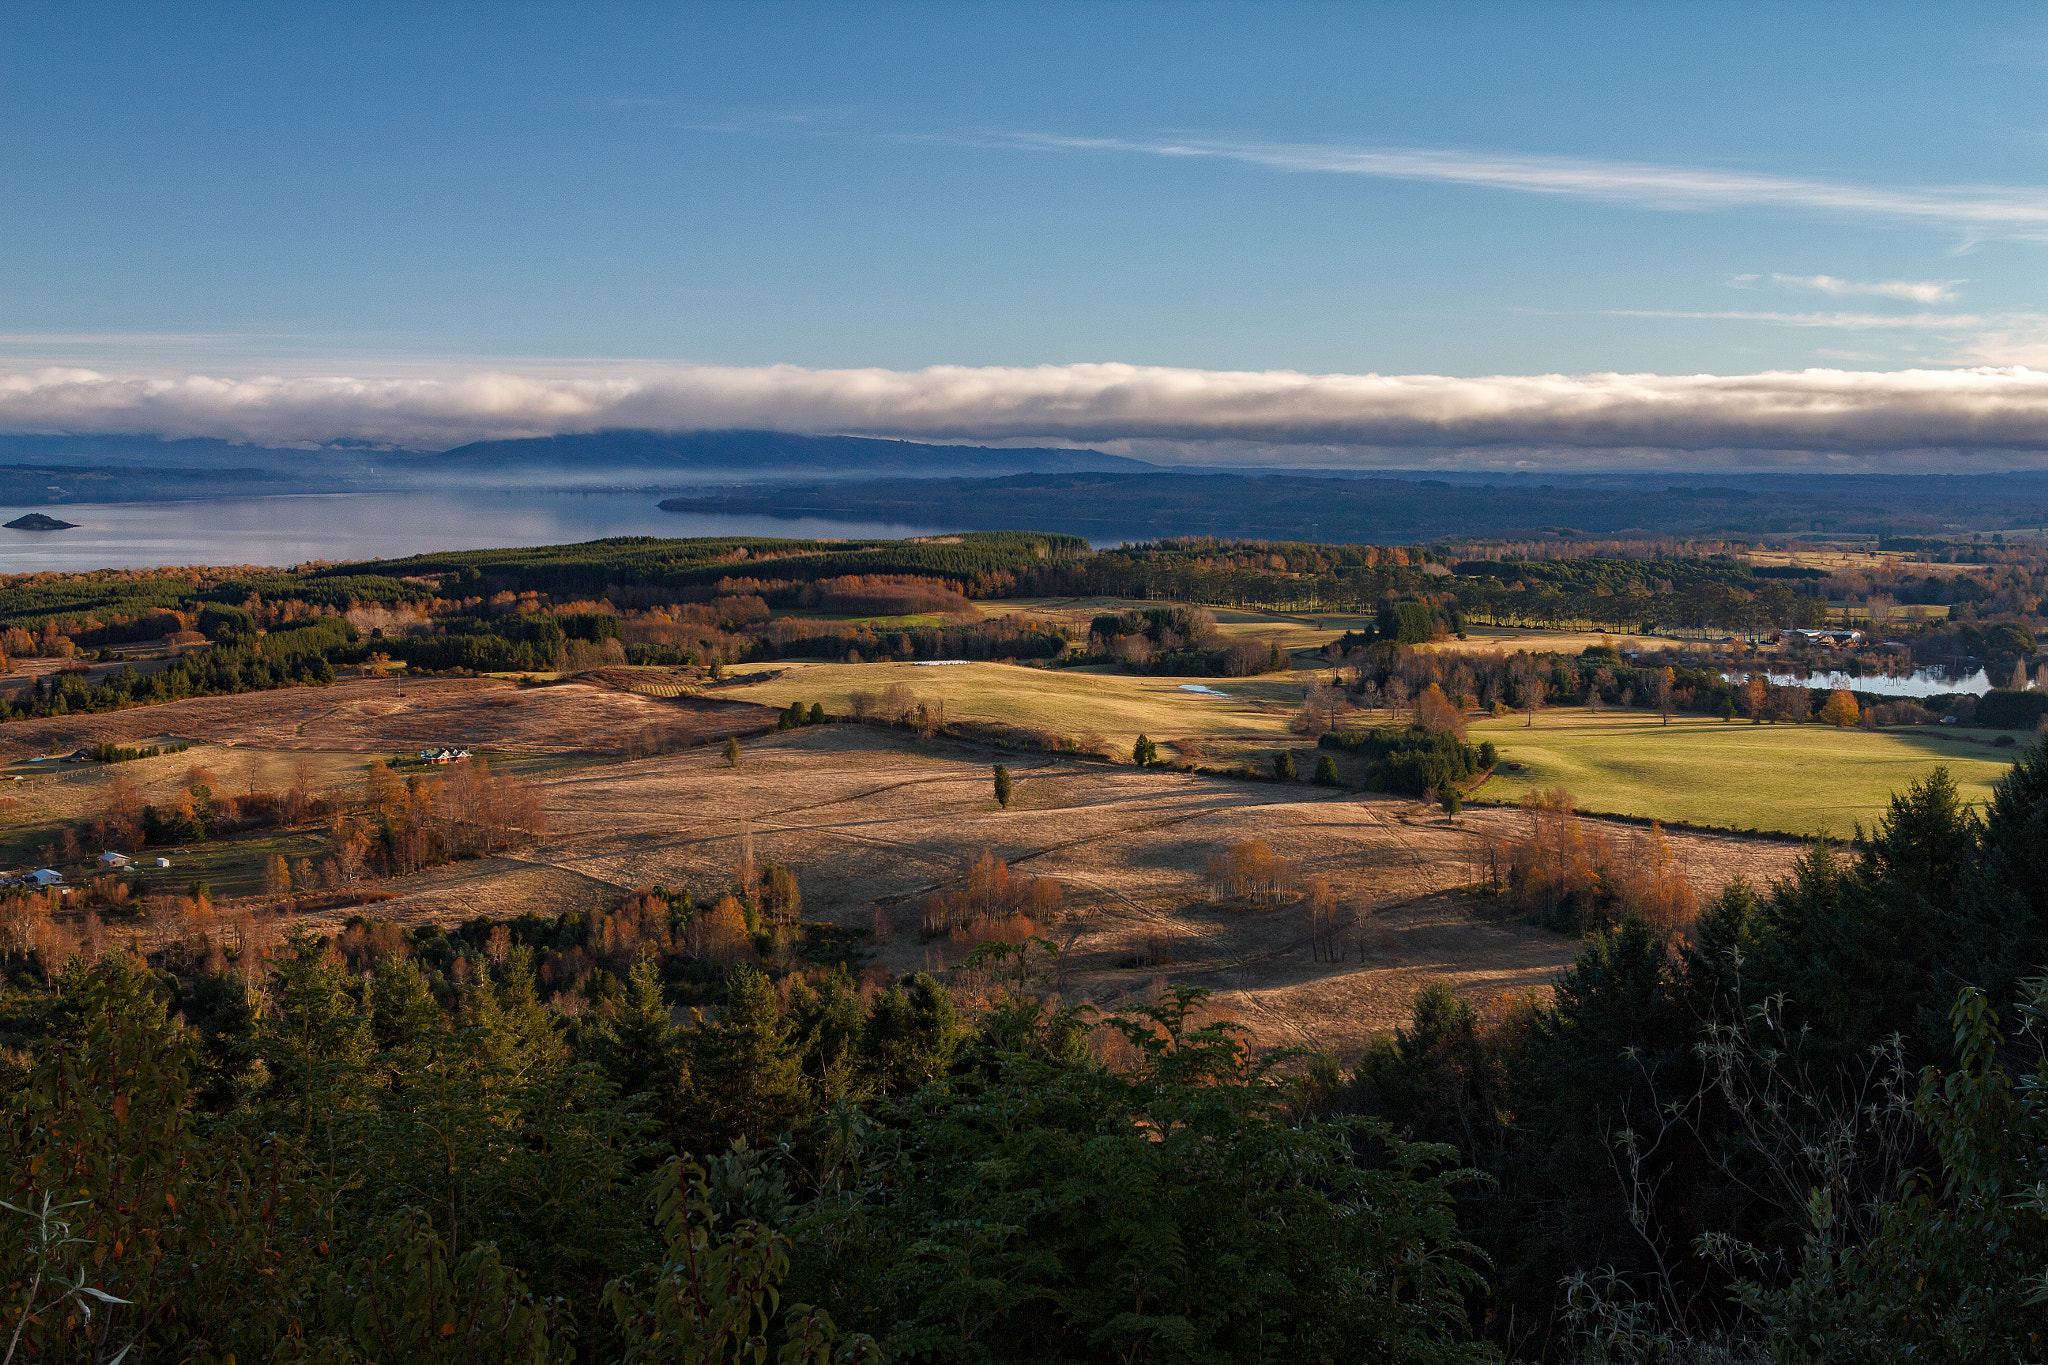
point(1002, 786)
point(640, 1047)
point(748, 1081)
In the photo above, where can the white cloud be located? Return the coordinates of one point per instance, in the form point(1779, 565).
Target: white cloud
point(1854, 322)
point(1978, 211)
point(1819, 409)
point(1917, 291)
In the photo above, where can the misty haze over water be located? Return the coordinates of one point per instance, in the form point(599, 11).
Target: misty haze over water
point(347, 526)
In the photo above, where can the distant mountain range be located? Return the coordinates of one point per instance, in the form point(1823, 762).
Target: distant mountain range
point(710, 452)
point(1107, 507)
point(631, 457)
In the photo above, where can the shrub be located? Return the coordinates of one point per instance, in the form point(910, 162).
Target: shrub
point(1326, 771)
point(1407, 759)
point(1283, 767)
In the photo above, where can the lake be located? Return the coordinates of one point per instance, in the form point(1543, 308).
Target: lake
point(1921, 682)
point(292, 530)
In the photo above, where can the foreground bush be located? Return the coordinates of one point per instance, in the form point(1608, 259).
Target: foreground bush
point(388, 1180)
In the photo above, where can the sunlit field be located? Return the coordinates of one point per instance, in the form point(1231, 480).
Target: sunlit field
point(1068, 702)
point(1801, 779)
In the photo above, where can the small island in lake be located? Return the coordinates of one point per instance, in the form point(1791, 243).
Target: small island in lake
point(36, 521)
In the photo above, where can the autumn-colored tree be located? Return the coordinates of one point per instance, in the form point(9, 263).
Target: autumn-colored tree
point(719, 935)
point(1251, 869)
point(1841, 709)
point(732, 752)
point(277, 876)
point(383, 793)
point(1756, 692)
point(1435, 713)
point(1661, 684)
point(121, 815)
point(778, 895)
point(1320, 901)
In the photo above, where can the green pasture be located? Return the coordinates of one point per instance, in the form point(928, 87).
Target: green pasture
point(1798, 779)
point(1071, 702)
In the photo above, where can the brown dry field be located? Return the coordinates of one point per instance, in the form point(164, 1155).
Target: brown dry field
point(869, 818)
point(374, 715)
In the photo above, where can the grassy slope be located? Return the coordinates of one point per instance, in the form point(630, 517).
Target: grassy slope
point(1802, 779)
point(1068, 701)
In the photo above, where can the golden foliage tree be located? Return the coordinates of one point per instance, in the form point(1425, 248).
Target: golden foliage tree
point(1840, 709)
point(1437, 714)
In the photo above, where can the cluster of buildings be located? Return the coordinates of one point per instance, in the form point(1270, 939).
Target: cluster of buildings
point(44, 877)
point(1820, 637)
point(443, 755)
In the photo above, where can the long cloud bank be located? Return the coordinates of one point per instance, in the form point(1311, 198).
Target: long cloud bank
point(1821, 410)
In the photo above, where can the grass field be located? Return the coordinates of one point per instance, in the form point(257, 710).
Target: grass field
point(1072, 702)
point(1799, 779)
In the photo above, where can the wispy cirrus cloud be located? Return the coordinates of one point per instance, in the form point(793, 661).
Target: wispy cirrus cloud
point(1914, 291)
point(1819, 409)
point(1852, 322)
point(1975, 211)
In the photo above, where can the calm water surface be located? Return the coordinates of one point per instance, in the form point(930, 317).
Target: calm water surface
point(293, 530)
point(1921, 682)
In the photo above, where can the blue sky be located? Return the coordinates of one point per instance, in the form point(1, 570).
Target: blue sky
point(1456, 190)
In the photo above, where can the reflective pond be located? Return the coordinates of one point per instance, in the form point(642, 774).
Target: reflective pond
point(1921, 682)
